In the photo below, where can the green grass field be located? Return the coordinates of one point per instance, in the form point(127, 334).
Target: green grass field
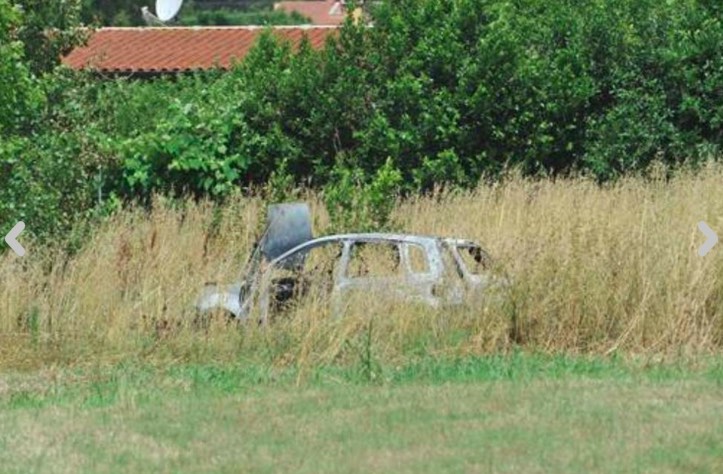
point(516, 413)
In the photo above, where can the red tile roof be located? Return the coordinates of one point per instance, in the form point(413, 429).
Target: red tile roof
point(178, 49)
point(320, 12)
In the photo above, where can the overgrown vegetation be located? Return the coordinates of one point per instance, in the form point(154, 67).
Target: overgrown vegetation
point(438, 93)
point(576, 140)
point(594, 270)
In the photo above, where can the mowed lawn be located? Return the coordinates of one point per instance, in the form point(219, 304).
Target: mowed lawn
point(519, 414)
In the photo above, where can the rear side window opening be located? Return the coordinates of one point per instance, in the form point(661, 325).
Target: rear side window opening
point(474, 260)
point(469, 259)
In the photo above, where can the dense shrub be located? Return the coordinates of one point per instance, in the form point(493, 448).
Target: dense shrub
point(437, 92)
point(19, 96)
point(48, 30)
point(450, 91)
point(44, 185)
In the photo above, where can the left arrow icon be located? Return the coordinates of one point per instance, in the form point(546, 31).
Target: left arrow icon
point(12, 238)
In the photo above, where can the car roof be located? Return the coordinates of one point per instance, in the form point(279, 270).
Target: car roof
point(374, 237)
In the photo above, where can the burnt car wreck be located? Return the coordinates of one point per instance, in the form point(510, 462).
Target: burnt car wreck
point(288, 262)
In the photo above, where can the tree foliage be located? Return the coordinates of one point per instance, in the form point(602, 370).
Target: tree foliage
point(438, 92)
point(18, 94)
point(48, 30)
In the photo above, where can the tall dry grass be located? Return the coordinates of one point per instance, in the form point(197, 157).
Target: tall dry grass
point(594, 269)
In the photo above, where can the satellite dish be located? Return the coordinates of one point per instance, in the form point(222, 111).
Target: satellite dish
point(167, 9)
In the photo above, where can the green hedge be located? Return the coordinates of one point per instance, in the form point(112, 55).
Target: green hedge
point(438, 91)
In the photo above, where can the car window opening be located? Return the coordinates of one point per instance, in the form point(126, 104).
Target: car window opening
point(374, 260)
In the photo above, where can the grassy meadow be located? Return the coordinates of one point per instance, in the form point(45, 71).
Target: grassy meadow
point(595, 270)
point(604, 355)
point(516, 413)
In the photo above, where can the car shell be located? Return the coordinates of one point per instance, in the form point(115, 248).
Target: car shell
point(446, 281)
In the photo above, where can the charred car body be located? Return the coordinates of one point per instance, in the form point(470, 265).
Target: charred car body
point(288, 263)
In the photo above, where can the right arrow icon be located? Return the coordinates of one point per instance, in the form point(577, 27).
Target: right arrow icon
point(711, 239)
